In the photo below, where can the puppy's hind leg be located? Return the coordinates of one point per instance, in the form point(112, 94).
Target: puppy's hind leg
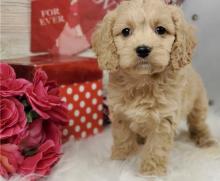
point(199, 130)
point(124, 140)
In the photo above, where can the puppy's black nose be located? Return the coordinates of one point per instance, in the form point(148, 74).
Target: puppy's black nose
point(143, 51)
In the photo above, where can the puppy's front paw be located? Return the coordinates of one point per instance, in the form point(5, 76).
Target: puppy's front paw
point(155, 166)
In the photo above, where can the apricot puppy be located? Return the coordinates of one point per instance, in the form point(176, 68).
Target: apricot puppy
point(147, 47)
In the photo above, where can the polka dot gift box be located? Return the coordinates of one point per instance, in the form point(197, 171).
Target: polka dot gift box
point(84, 103)
point(80, 82)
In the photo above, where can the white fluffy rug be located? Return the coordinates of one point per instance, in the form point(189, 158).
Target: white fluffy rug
point(89, 160)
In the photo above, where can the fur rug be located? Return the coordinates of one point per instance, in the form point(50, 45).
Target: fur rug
point(88, 160)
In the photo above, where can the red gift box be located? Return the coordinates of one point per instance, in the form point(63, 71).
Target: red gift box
point(84, 108)
point(80, 82)
point(65, 27)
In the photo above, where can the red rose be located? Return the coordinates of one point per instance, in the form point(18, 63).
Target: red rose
point(41, 163)
point(13, 118)
point(43, 101)
point(37, 133)
point(10, 86)
point(10, 159)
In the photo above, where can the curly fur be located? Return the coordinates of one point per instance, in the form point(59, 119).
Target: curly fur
point(148, 97)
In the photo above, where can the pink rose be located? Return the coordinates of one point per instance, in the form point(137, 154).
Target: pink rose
point(10, 86)
point(52, 88)
point(32, 136)
point(43, 101)
point(6, 72)
point(10, 159)
point(52, 132)
point(37, 133)
point(42, 162)
point(13, 118)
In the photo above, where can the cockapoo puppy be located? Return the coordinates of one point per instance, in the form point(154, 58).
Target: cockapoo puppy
point(147, 47)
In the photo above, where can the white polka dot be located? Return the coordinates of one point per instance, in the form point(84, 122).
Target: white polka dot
point(95, 130)
point(100, 107)
point(69, 91)
point(88, 110)
point(77, 128)
point(100, 122)
point(76, 97)
point(62, 86)
point(71, 122)
point(64, 99)
point(99, 93)
point(95, 116)
point(83, 119)
point(88, 95)
point(94, 101)
point(82, 104)
point(81, 88)
point(94, 86)
point(89, 125)
point(76, 113)
point(70, 106)
point(65, 132)
point(83, 134)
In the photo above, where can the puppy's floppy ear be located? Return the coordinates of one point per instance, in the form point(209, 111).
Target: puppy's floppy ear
point(103, 43)
point(185, 40)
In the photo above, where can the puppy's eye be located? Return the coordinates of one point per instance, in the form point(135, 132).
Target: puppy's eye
point(160, 30)
point(126, 32)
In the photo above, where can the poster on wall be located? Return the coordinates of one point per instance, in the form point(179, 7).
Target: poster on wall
point(65, 27)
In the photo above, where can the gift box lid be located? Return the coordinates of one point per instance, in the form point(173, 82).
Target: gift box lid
point(63, 69)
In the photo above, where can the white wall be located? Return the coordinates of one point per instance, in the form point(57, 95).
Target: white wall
point(207, 55)
point(14, 28)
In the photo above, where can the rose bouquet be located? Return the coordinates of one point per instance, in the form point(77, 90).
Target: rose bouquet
point(31, 114)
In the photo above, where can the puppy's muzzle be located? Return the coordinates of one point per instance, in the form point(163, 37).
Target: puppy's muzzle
point(143, 51)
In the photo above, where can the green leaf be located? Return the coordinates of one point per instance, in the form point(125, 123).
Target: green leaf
point(29, 152)
point(32, 115)
point(29, 117)
point(25, 103)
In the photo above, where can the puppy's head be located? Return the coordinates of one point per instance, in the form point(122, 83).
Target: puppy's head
point(143, 37)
